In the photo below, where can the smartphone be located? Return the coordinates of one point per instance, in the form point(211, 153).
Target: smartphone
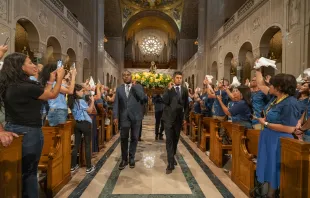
point(59, 64)
point(73, 66)
point(6, 41)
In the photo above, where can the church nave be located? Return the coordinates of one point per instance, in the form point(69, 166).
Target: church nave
point(194, 176)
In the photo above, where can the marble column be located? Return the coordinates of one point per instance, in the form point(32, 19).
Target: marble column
point(202, 17)
point(98, 40)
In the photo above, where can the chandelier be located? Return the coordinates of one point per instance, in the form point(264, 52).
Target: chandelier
point(151, 46)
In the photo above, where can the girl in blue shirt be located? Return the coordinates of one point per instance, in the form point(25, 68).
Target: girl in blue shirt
point(80, 110)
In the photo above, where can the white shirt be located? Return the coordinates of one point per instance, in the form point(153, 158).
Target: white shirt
point(129, 86)
point(175, 87)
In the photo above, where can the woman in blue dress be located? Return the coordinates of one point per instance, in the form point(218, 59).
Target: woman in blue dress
point(280, 118)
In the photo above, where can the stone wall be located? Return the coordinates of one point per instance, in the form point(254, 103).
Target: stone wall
point(247, 36)
point(45, 19)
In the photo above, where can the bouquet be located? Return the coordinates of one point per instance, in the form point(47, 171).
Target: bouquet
point(150, 80)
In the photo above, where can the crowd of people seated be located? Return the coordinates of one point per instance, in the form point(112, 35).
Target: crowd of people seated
point(32, 96)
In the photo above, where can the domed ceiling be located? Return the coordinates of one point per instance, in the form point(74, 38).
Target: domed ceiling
point(173, 8)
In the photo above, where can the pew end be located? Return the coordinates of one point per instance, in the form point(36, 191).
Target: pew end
point(205, 134)
point(295, 165)
point(11, 169)
point(217, 148)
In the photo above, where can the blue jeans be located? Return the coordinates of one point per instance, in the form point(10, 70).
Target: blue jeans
point(31, 152)
point(57, 116)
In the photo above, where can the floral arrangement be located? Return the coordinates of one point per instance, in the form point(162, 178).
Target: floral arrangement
point(151, 80)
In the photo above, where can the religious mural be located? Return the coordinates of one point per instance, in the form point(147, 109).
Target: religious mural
point(173, 8)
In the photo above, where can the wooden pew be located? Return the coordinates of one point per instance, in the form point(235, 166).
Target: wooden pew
point(205, 134)
point(65, 131)
point(101, 132)
point(245, 149)
point(109, 127)
point(191, 121)
point(295, 168)
point(195, 125)
point(196, 128)
point(217, 149)
point(51, 161)
point(11, 169)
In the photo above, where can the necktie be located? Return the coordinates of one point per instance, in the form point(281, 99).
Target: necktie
point(177, 89)
point(127, 90)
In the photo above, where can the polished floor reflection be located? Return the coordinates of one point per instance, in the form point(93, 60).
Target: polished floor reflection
point(194, 176)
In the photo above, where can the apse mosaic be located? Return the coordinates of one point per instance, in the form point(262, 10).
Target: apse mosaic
point(173, 8)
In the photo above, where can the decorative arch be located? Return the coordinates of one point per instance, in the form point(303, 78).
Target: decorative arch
point(53, 50)
point(71, 56)
point(193, 81)
point(270, 46)
point(246, 62)
point(27, 37)
point(111, 81)
point(108, 80)
point(214, 71)
point(228, 67)
point(86, 69)
point(147, 13)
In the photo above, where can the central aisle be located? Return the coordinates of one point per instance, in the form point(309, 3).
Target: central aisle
point(191, 178)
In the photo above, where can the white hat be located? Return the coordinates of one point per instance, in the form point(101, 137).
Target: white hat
point(235, 82)
point(264, 62)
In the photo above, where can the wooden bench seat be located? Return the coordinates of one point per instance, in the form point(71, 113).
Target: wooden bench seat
point(295, 168)
point(245, 149)
point(11, 169)
point(51, 161)
point(217, 148)
point(205, 134)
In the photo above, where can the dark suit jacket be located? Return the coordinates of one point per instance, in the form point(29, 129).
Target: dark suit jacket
point(176, 109)
point(128, 110)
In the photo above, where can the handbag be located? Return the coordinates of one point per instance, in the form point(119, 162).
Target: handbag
point(306, 122)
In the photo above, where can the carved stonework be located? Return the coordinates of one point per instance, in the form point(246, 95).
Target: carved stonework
point(294, 14)
point(256, 24)
point(64, 34)
point(236, 39)
point(4, 9)
point(43, 18)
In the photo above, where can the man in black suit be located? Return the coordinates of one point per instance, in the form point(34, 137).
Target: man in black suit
point(176, 113)
point(128, 113)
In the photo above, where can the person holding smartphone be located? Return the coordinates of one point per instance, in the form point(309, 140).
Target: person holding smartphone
point(17, 90)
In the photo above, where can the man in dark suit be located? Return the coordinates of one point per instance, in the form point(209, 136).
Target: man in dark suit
point(128, 113)
point(176, 113)
point(159, 108)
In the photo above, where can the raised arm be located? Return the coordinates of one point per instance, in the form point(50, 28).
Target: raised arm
point(53, 93)
point(261, 83)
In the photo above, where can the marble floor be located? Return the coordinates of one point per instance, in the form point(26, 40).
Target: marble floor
point(194, 176)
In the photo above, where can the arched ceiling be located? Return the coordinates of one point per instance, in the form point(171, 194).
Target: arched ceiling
point(150, 22)
point(173, 8)
point(122, 16)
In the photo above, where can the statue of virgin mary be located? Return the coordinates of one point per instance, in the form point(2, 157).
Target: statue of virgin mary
point(153, 67)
